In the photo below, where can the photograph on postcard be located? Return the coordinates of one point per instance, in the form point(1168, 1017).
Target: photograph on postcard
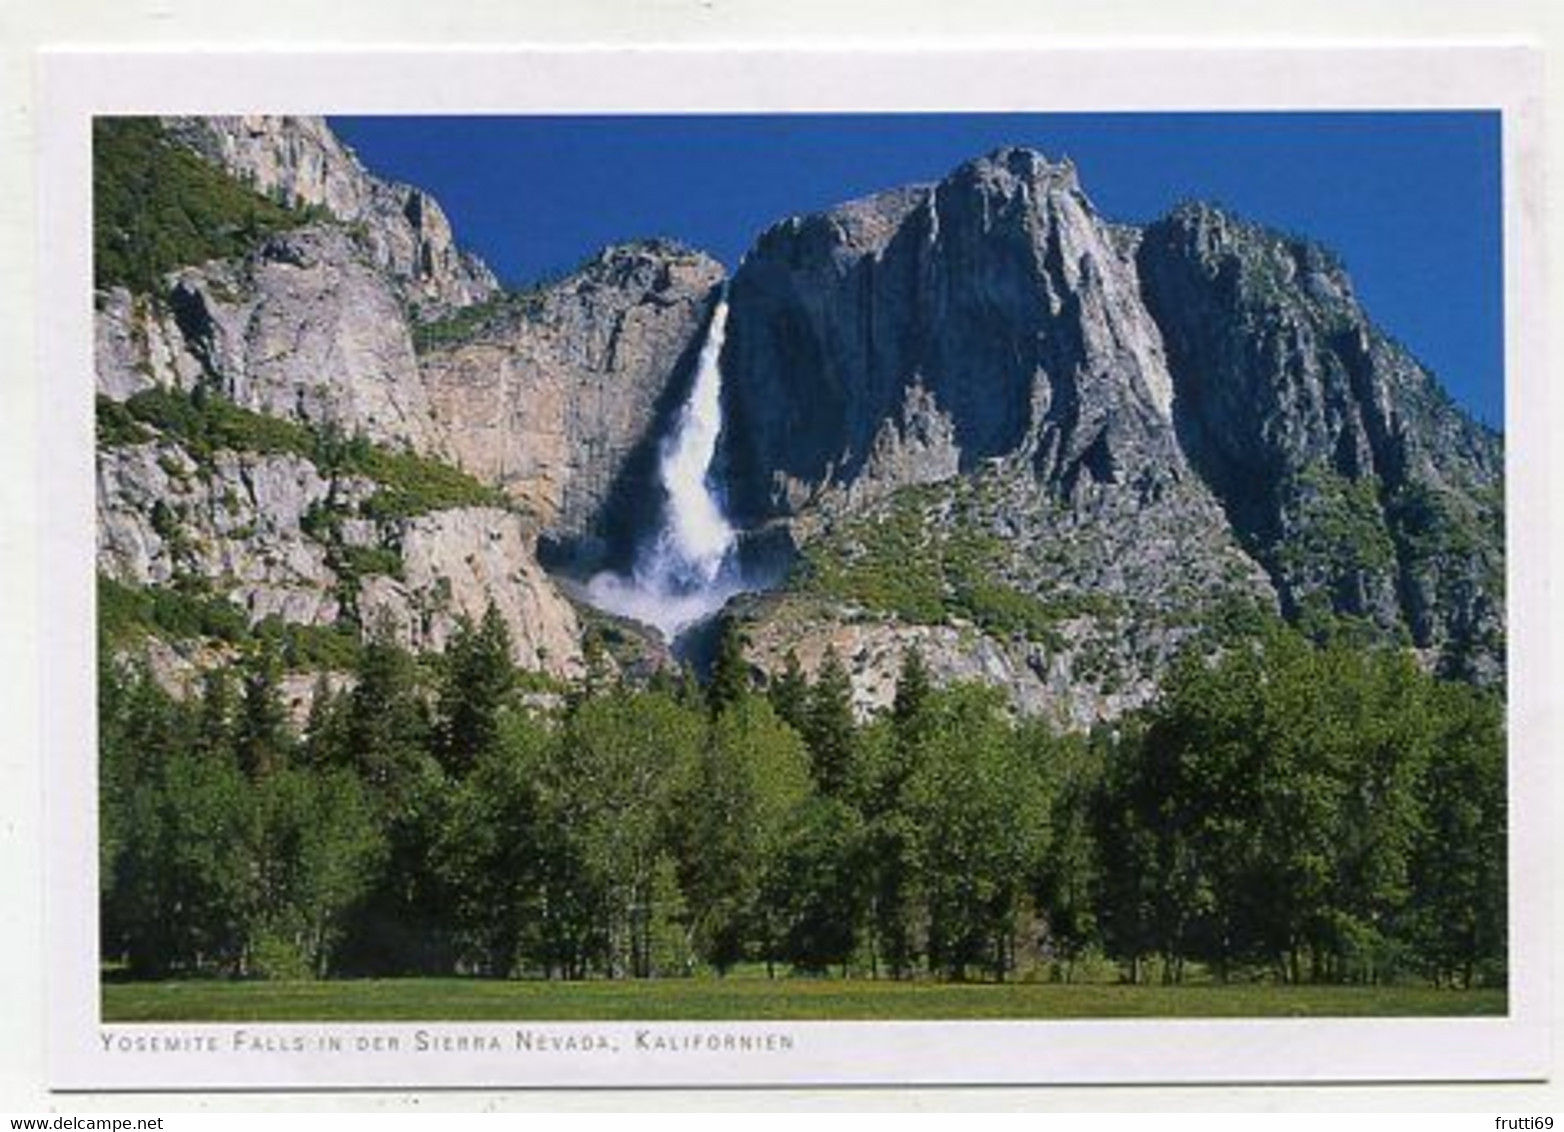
point(1045, 585)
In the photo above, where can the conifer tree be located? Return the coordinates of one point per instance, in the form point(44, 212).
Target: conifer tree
point(912, 687)
point(216, 725)
point(729, 672)
point(478, 678)
point(597, 671)
point(386, 727)
point(262, 740)
point(322, 737)
point(829, 724)
point(688, 691)
point(789, 693)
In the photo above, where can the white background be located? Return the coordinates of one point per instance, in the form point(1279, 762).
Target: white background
point(24, 501)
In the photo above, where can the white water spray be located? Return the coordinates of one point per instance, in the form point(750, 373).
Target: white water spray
point(687, 572)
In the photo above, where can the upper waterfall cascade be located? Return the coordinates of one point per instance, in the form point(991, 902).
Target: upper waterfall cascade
point(687, 570)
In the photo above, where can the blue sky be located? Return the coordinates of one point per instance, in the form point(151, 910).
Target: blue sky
point(1411, 201)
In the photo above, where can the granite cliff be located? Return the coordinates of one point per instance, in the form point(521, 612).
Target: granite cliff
point(1340, 461)
point(558, 395)
point(230, 389)
point(973, 416)
point(1124, 430)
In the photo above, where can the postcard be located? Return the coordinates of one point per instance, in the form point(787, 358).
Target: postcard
point(679, 568)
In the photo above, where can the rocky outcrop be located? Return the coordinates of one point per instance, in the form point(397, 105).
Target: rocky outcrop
point(555, 394)
point(246, 526)
point(1075, 610)
point(316, 324)
point(559, 395)
point(307, 329)
point(454, 564)
point(1177, 416)
point(872, 651)
point(999, 294)
point(181, 667)
point(235, 523)
point(916, 447)
point(303, 328)
point(300, 161)
point(1337, 457)
point(138, 345)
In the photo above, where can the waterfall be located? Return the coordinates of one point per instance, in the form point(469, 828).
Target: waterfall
point(687, 570)
point(696, 537)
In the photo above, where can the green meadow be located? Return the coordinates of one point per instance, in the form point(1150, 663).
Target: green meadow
point(790, 999)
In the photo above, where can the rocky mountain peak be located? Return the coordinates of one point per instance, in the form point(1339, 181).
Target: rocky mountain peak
point(1337, 457)
point(998, 293)
point(301, 161)
point(648, 249)
point(1259, 259)
point(1012, 165)
point(1021, 189)
point(648, 267)
point(1209, 384)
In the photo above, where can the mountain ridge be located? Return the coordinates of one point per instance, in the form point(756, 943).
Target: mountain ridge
point(1168, 416)
point(996, 316)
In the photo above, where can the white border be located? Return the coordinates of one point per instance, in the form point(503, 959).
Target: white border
point(77, 84)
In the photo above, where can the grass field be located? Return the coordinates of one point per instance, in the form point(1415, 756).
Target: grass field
point(712, 999)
